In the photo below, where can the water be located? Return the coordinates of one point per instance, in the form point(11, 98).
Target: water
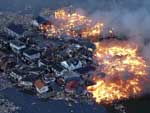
point(31, 104)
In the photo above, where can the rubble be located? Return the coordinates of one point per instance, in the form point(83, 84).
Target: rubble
point(54, 68)
point(45, 66)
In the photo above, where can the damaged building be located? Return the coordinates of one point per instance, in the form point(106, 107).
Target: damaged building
point(15, 30)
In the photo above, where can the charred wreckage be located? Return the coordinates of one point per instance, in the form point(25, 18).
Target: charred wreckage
point(68, 55)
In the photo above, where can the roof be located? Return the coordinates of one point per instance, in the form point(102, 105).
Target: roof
point(85, 69)
point(31, 77)
point(58, 67)
point(41, 20)
point(73, 61)
point(85, 43)
point(19, 72)
point(17, 43)
point(17, 28)
point(46, 62)
point(37, 71)
point(39, 84)
point(31, 51)
point(6, 38)
point(71, 75)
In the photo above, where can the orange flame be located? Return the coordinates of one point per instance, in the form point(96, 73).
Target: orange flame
point(119, 61)
point(72, 24)
point(124, 69)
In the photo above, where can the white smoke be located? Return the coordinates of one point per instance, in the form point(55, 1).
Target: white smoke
point(131, 18)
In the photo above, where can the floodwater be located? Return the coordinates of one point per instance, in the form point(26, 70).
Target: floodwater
point(31, 104)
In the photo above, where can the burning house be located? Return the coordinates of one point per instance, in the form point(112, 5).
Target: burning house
point(71, 23)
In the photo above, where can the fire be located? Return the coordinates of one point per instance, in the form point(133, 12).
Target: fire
point(123, 69)
point(72, 24)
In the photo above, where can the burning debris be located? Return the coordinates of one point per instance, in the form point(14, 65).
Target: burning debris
point(72, 24)
point(57, 66)
point(124, 70)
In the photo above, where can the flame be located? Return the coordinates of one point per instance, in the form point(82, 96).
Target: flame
point(124, 69)
point(72, 24)
point(119, 61)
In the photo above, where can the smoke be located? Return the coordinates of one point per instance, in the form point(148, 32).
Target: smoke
point(129, 17)
point(146, 52)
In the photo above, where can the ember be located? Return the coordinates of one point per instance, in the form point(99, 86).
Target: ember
point(72, 24)
point(124, 70)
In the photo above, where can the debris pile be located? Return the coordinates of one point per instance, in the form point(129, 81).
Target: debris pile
point(66, 56)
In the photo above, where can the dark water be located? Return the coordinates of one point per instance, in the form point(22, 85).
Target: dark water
point(31, 104)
